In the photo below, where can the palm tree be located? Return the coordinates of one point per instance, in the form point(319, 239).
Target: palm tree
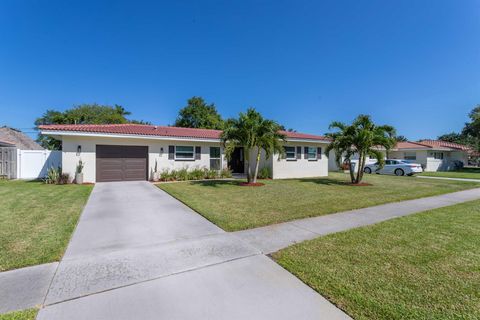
point(254, 133)
point(362, 137)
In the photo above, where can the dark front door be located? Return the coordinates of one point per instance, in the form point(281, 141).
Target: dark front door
point(121, 163)
point(237, 161)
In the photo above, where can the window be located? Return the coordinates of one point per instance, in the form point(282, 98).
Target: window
point(290, 153)
point(215, 158)
point(410, 156)
point(438, 155)
point(184, 153)
point(311, 153)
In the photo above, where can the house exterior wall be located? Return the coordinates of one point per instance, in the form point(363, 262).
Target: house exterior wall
point(155, 155)
point(300, 168)
point(264, 162)
point(429, 163)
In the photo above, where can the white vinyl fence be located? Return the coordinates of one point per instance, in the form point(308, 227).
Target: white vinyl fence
point(34, 164)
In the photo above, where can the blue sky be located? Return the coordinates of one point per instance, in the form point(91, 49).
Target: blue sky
point(412, 64)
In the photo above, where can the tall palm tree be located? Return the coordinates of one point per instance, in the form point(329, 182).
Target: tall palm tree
point(254, 133)
point(362, 137)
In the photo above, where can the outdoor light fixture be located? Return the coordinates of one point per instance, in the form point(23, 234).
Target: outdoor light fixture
point(161, 150)
point(79, 149)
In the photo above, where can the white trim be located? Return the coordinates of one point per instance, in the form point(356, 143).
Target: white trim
point(151, 137)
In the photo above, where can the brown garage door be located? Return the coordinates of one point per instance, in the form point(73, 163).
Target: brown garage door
point(121, 163)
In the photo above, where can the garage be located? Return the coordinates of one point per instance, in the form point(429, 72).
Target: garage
point(121, 163)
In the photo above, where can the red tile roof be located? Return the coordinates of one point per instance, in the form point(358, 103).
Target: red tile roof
point(410, 145)
point(445, 144)
point(432, 144)
point(150, 130)
point(298, 135)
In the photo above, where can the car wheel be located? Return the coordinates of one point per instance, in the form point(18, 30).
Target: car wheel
point(367, 170)
point(399, 172)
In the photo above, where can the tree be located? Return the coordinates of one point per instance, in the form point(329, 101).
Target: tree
point(81, 114)
point(254, 133)
point(198, 114)
point(362, 137)
point(401, 138)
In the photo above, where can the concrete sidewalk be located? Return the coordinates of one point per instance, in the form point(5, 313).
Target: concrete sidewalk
point(275, 237)
point(446, 178)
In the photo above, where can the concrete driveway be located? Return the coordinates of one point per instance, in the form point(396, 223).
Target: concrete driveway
point(138, 253)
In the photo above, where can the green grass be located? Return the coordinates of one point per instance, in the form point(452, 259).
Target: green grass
point(28, 314)
point(37, 220)
point(233, 207)
point(424, 266)
point(465, 173)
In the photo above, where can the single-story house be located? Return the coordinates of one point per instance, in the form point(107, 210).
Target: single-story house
point(433, 155)
point(116, 152)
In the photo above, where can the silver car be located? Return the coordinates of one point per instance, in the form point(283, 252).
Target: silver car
point(397, 167)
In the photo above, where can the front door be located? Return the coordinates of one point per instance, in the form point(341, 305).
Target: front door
point(237, 161)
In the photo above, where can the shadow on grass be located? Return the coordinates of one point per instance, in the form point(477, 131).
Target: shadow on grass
point(217, 183)
point(326, 181)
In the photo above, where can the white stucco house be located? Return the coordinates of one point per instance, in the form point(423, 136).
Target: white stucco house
point(117, 152)
point(433, 155)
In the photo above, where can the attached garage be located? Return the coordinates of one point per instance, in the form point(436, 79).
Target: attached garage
point(121, 163)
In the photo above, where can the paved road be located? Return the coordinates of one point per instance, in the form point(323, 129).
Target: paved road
point(138, 253)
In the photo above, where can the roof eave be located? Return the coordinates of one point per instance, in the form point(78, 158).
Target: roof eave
point(59, 133)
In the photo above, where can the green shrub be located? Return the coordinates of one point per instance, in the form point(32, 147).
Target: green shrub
point(182, 174)
point(210, 174)
point(196, 174)
point(226, 173)
point(165, 175)
point(55, 176)
point(264, 173)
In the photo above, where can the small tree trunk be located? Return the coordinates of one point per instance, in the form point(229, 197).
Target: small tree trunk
point(257, 164)
point(352, 173)
point(247, 162)
point(361, 164)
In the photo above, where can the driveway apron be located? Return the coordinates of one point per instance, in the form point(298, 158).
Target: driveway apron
point(138, 253)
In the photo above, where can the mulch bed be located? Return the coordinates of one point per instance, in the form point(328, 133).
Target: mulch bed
point(246, 184)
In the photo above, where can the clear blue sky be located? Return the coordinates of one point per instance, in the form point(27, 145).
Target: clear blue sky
point(412, 64)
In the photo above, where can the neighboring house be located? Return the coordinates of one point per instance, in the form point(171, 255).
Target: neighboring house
point(433, 155)
point(119, 152)
point(16, 137)
point(22, 158)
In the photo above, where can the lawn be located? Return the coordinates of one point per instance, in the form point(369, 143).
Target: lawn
point(465, 173)
point(424, 266)
point(233, 207)
point(28, 314)
point(37, 220)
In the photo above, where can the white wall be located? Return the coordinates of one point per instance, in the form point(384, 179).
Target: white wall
point(88, 145)
point(264, 162)
point(34, 164)
point(301, 168)
point(429, 163)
